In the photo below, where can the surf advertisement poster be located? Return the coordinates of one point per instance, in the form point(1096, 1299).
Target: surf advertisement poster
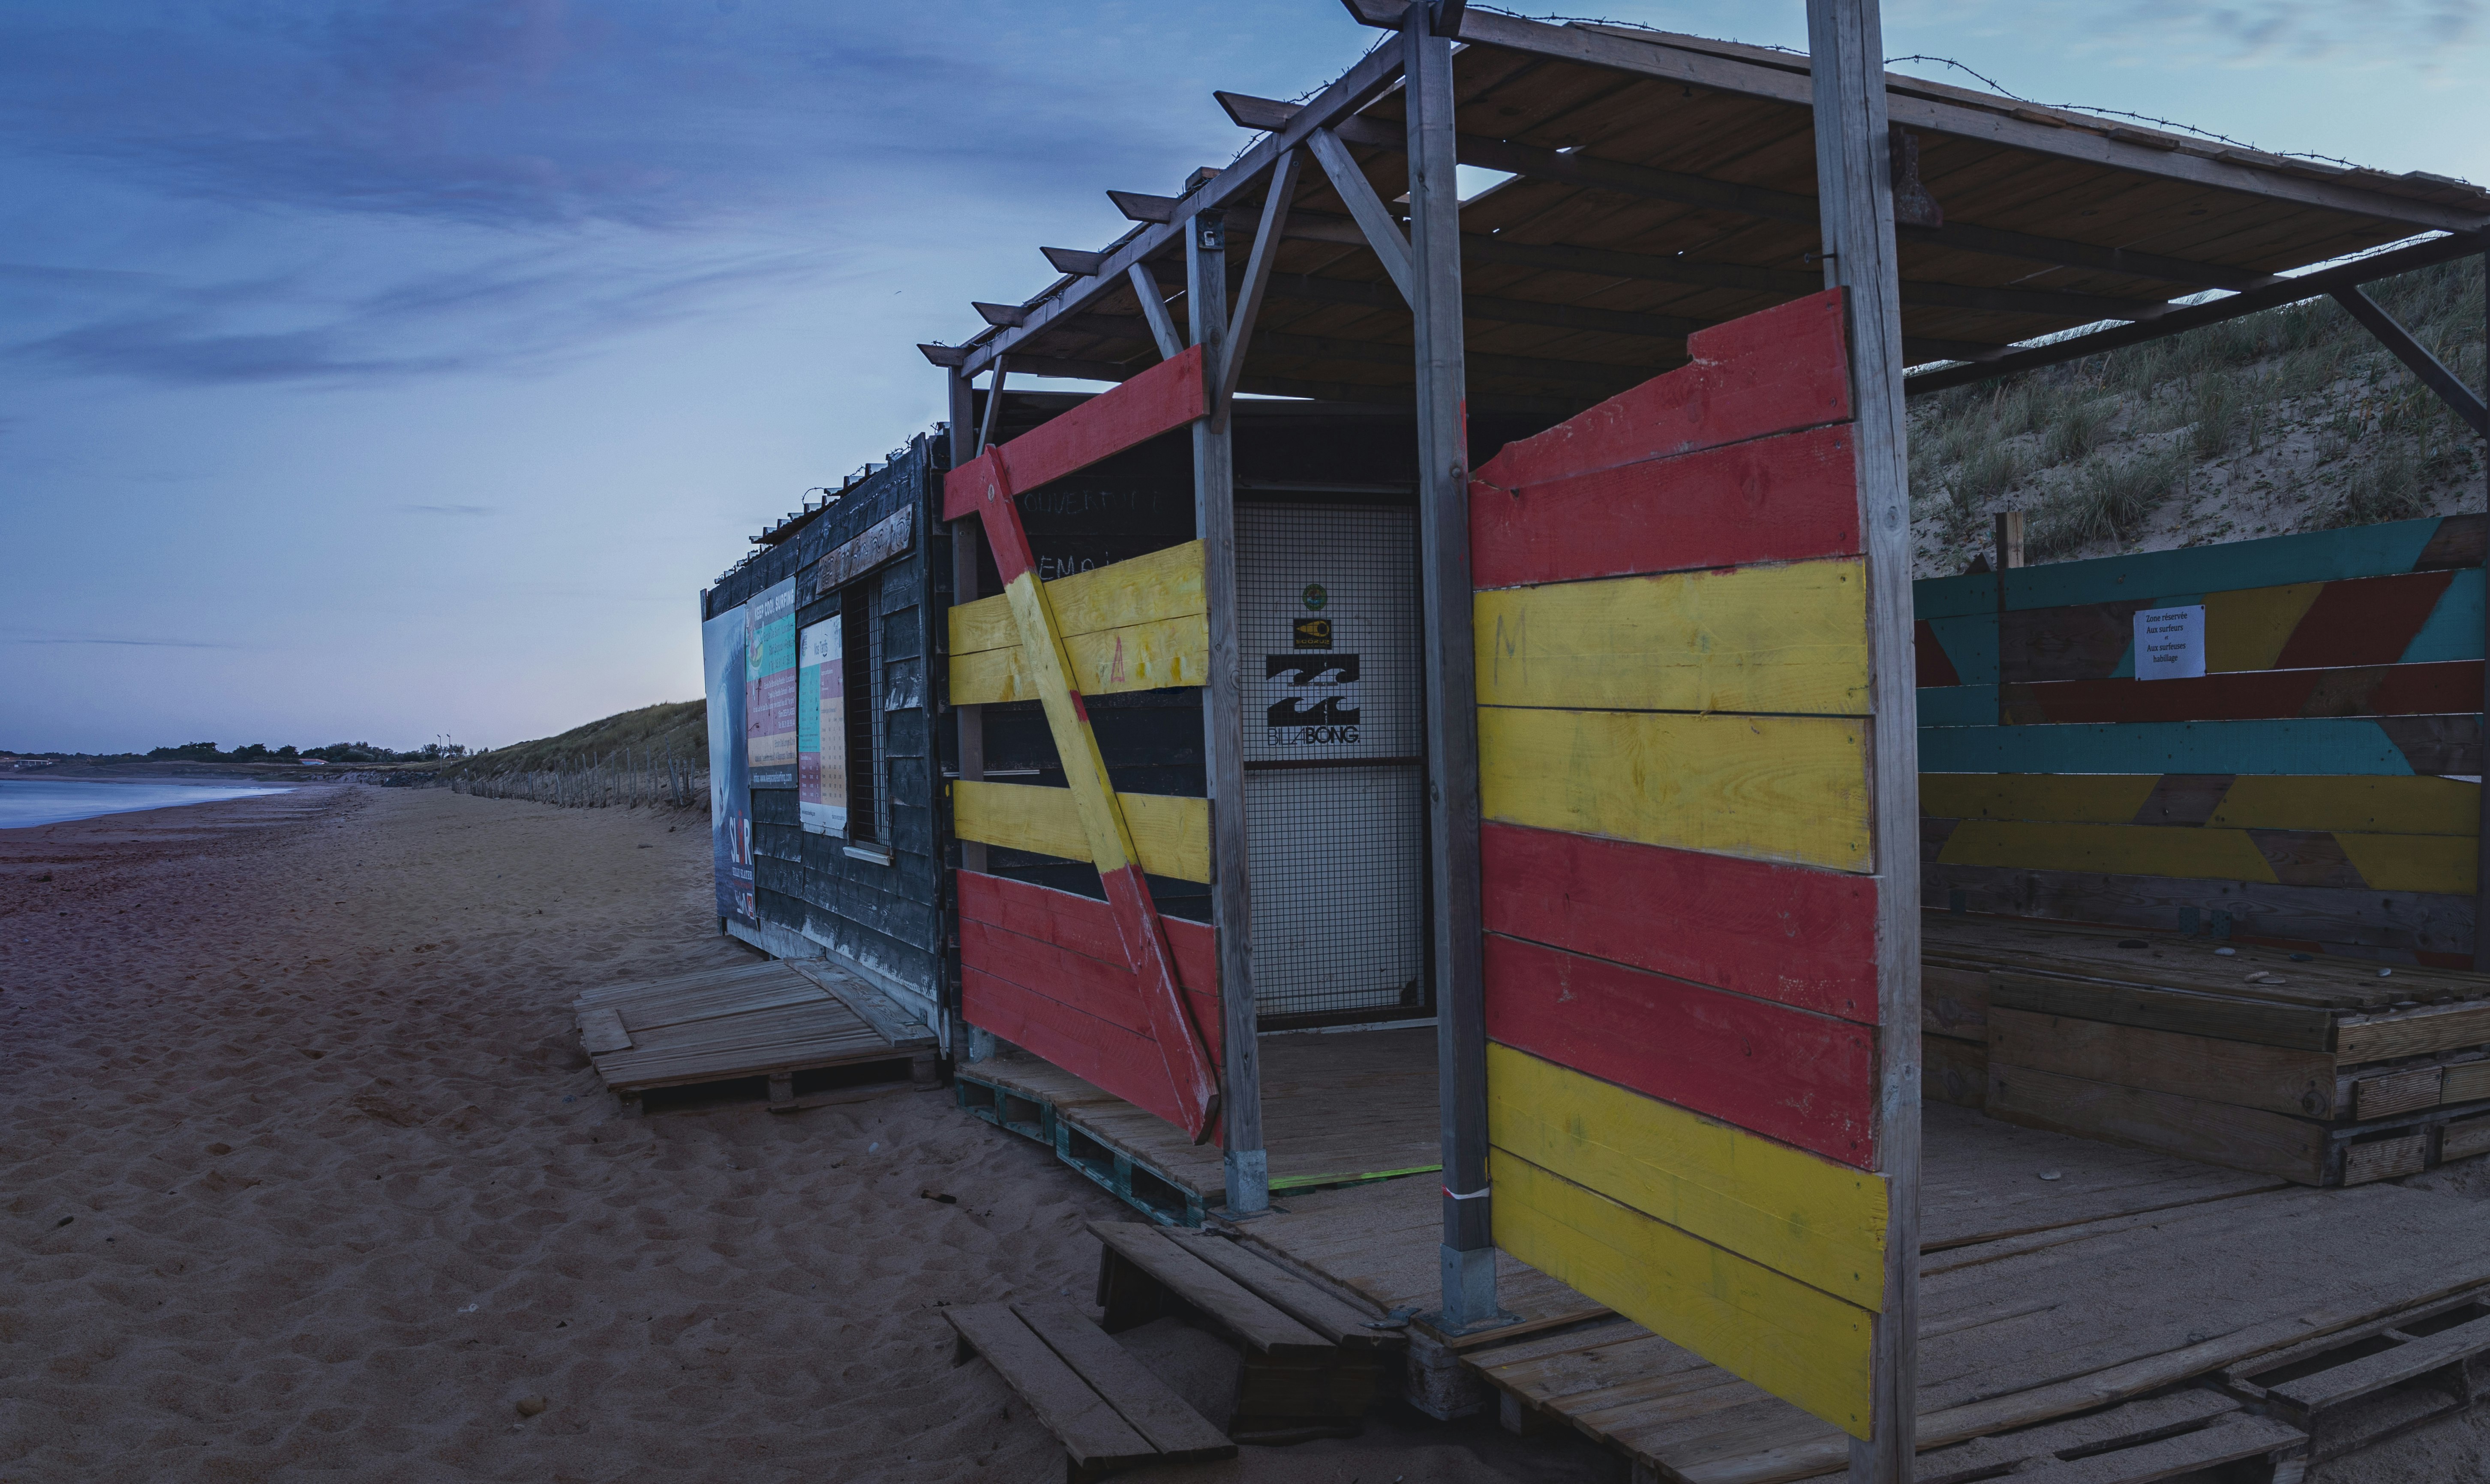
point(730, 795)
point(822, 729)
point(770, 687)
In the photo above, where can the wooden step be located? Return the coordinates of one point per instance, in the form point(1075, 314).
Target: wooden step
point(1105, 1407)
point(1310, 1371)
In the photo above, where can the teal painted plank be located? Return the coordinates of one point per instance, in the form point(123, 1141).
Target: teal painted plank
point(2156, 577)
point(1971, 644)
point(2454, 630)
point(2354, 745)
point(1954, 597)
point(1958, 705)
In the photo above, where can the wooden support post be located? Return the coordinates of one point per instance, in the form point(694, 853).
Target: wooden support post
point(2010, 546)
point(1249, 296)
point(2433, 372)
point(1146, 287)
point(1854, 187)
point(1223, 721)
point(2481, 878)
point(1469, 1250)
point(993, 418)
point(979, 1043)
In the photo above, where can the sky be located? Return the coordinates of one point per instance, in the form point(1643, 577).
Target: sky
point(401, 371)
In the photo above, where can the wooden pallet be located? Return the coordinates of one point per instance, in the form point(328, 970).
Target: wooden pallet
point(1312, 1364)
point(771, 1023)
point(1104, 1405)
point(2357, 1388)
point(2140, 1441)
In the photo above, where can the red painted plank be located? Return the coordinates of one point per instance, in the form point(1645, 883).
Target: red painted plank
point(1935, 666)
point(1084, 925)
point(1168, 395)
point(1803, 1079)
point(2367, 621)
point(1774, 372)
point(1802, 937)
point(2369, 690)
point(1097, 987)
point(1786, 499)
point(1107, 1055)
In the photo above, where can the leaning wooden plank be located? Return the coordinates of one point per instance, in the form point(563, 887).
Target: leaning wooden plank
point(874, 1008)
point(1805, 1079)
point(1791, 935)
point(1792, 498)
point(1170, 830)
point(1226, 1303)
point(1165, 1419)
point(2301, 1083)
point(1293, 1295)
point(2205, 1448)
point(2217, 1133)
point(1165, 397)
point(601, 1031)
point(1784, 638)
point(1766, 787)
point(2374, 1373)
point(1093, 986)
point(1084, 925)
point(1815, 1220)
point(1793, 1340)
point(1091, 1432)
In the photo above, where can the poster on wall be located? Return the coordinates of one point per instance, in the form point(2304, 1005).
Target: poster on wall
point(822, 729)
point(770, 687)
point(729, 796)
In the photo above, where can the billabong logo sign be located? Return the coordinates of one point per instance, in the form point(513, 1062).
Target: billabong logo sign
point(1318, 703)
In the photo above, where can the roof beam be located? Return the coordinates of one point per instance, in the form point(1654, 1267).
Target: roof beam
point(2325, 281)
point(2432, 371)
point(1791, 207)
point(1788, 82)
point(1355, 88)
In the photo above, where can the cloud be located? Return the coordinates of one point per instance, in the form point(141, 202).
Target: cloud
point(137, 644)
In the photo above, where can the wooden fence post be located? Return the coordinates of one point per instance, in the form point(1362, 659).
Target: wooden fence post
point(1855, 197)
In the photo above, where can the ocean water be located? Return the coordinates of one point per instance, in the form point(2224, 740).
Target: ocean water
point(26, 800)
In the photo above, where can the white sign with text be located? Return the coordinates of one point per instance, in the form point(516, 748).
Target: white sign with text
point(2170, 642)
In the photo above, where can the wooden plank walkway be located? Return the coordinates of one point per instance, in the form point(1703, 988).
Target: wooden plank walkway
point(2128, 1274)
point(770, 1021)
point(1336, 1108)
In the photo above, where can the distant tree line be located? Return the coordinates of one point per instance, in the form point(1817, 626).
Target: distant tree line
point(335, 751)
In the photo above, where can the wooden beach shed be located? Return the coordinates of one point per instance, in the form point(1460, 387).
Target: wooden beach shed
point(1663, 711)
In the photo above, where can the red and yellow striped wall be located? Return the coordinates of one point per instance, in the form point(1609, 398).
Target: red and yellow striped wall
point(1672, 665)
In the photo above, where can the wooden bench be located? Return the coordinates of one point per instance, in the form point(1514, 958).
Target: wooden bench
point(1106, 1407)
point(1313, 1366)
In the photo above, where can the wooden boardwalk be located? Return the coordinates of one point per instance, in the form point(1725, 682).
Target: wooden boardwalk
point(772, 1020)
point(1336, 1108)
point(2076, 1295)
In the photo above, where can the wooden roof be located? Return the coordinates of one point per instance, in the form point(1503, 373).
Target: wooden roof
point(1665, 183)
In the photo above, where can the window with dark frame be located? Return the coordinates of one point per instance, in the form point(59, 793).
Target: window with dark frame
point(861, 637)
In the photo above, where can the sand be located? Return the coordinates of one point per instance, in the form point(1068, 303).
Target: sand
point(304, 1178)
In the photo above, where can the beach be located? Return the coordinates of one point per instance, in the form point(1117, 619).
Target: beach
point(306, 1177)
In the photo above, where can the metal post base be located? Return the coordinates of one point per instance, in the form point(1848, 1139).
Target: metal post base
point(980, 1045)
point(1249, 1182)
point(1469, 1293)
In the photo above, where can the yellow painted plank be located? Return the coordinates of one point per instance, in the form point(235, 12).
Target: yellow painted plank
point(1771, 787)
point(2413, 863)
point(1141, 657)
point(1797, 1342)
point(1171, 833)
point(1795, 1212)
point(2124, 849)
point(1779, 638)
point(1161, 586)
point(2246, 628)
point(2071, 798)
point(2382, 806)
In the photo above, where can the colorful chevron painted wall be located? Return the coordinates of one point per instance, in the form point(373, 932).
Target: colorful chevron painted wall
point(2315, 787)
point(1672, 667)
